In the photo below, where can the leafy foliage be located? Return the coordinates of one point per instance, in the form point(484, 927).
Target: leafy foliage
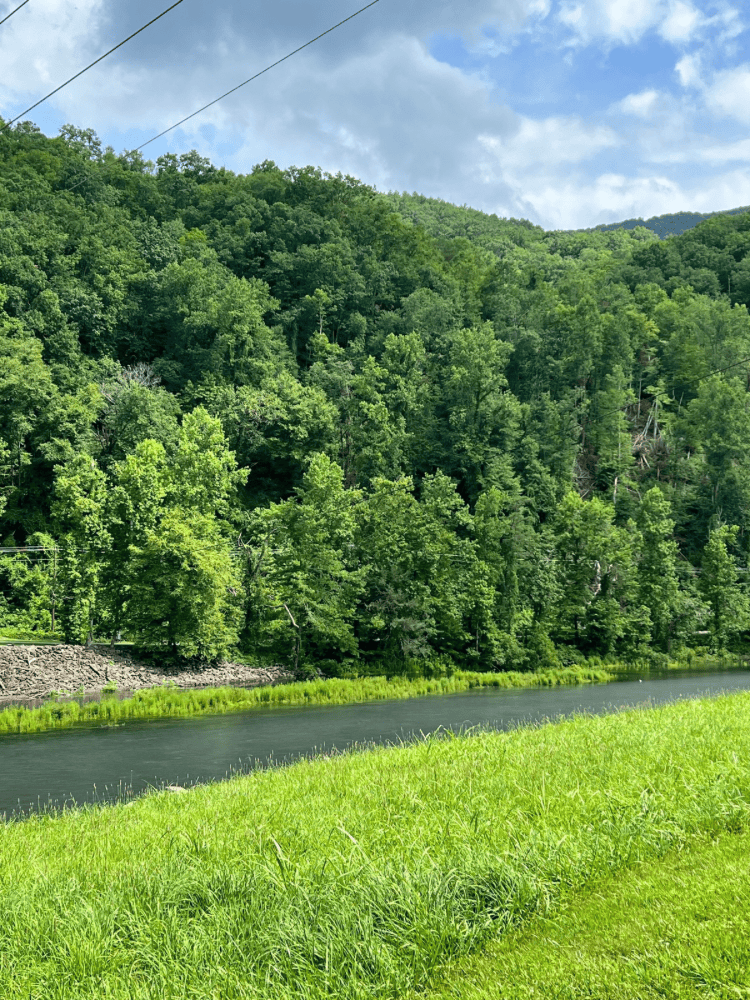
point(357, 431)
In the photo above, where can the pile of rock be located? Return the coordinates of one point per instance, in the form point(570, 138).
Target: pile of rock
point(30, 673)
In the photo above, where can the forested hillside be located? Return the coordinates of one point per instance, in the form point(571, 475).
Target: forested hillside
point(671, 224)
point(441, 218)
point(360, 432)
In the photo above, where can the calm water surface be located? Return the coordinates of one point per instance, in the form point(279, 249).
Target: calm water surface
point(87, 765)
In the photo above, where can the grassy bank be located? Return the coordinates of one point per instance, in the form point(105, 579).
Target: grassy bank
point(165, 702)
point(697, 660)
point(362, 875)
point(676, 927)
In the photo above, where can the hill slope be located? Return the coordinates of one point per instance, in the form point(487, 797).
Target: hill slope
point(671, 224)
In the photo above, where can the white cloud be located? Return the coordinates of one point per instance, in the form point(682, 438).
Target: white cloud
point(641, 105)
point(722, 191)
point(729, 93)
point(726, 152)
point(397, 118)
point(611, 197)
point(616, 21)
point(41, 43)
point(726, 24)
point(548, 142)
point(689, 70)
point(681, 23)
point(626, 22)
point(606, 198)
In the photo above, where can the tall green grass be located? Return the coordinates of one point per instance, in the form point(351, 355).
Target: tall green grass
point(359, 876)
point(165, 702)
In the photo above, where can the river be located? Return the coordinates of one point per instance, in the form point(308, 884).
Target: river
point(47, 770)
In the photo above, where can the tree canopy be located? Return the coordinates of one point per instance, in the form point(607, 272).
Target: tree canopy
point(284, 412)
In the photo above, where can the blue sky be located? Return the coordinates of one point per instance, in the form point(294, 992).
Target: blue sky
point(566, 112)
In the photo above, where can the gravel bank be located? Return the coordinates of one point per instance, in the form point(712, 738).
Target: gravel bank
point(32, 673)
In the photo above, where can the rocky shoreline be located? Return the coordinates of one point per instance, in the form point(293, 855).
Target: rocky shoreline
point(30, 674)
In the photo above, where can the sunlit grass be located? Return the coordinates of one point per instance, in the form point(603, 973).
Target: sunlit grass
point(675, 927)
point(362, 875)
point(165, 702)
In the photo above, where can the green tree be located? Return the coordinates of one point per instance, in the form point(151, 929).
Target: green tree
point(303, 581)
point(202, 472)
point(479, 416)
point(79, 516)
point(597, 608)
point(170, 519)
point(135, 505)
point(30, 585)
point(136, 409)
point(26, 389)
point(395, 617)
point(273, 429)
point(184, 589)
point(658, 583)
point(719, 584)
point(371, 437)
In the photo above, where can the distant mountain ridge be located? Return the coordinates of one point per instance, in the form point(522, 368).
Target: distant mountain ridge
point(445, 220)
point(671, 224)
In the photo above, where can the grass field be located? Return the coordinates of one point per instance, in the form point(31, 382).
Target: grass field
point(367, 875)
point(165, 702)
point(677, 927)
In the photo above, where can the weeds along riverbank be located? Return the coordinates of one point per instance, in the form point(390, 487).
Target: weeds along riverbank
point(165, 702)
point(364, 875)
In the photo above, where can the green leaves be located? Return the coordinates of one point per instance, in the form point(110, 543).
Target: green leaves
point(170, 577)
point(183, 594)
point(305, 570)
point(658, 583)
point(597, 607)
point(457, 433)
point(79, 516)
point(729, 606)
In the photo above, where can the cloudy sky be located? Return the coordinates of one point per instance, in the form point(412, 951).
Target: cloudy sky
point(566, 112)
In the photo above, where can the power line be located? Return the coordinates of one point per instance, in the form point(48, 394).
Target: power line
point(716, 371)
point(8, 124)
point(14, 11)
point(256, 75)
point(692, 381)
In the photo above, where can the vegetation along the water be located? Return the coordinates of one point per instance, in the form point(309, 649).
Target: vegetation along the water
point(163, 702)
point(373, 874)
point(287, 416)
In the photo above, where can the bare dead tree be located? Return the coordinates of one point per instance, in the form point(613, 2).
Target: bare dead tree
point(140, 373)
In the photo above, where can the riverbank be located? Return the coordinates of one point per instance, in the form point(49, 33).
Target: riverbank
point(172, 702)
point(31, 673)
point(367, 874)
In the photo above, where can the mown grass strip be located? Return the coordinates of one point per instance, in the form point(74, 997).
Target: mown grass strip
point(676, 927)
point(165, 702)
point(365, 875)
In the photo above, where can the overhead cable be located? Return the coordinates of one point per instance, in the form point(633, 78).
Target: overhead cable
point(14, 11)
point(119, 45)
point(690, 381)
point(256, 75)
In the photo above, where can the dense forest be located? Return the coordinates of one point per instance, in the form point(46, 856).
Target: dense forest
point(286, 414)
